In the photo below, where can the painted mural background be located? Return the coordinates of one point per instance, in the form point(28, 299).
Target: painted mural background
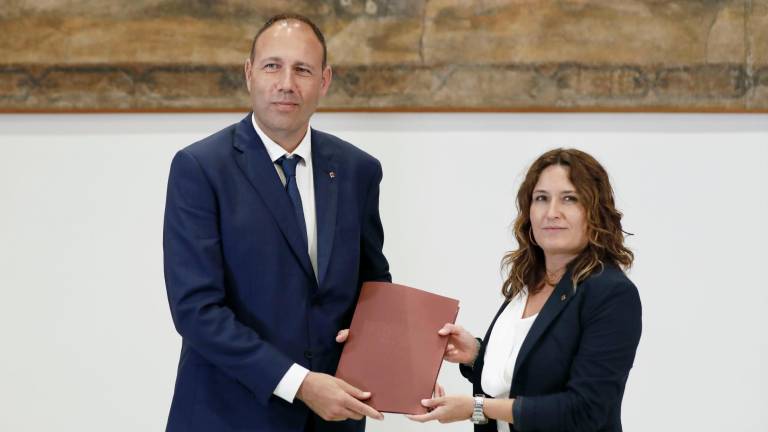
point(393, 55)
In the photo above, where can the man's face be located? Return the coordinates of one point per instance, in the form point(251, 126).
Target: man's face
point(286, 79)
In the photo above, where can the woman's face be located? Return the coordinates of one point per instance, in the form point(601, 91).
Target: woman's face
point(558, 218)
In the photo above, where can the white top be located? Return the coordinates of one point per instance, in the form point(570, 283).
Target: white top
point(504, 344)
point(291, 381)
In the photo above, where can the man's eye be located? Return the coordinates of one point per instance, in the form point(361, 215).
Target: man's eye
point(303, 71)
point(270, 66)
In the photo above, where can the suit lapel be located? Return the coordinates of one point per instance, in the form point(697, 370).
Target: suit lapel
point(560, 297)
point(254, 161)
point(326, 197)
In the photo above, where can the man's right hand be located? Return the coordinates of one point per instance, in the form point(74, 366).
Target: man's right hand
point(333, 399)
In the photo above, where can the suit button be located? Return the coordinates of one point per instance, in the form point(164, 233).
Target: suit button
point(308, 354)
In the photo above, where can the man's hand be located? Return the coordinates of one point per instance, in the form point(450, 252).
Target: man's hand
point(342, 336)
point(462, 346)
point(333, 399)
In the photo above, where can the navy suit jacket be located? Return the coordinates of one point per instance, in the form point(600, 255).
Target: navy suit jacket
point(574, 363)
point(241, 288)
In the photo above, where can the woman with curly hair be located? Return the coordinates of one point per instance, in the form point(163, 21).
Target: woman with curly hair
point(558, 352)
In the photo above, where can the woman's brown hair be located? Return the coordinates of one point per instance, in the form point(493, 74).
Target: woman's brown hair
point(606, 238)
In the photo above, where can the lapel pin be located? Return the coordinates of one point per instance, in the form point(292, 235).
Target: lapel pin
point(332, 174)
point(562, 297)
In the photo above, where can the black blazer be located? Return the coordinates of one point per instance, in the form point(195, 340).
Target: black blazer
point(573, 365)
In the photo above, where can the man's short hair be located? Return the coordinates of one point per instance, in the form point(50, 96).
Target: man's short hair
point(287, 17)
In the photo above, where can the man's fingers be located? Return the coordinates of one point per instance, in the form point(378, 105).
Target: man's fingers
point(361, 408)
point(352, 390)
point(350, 414)
point(342, 336)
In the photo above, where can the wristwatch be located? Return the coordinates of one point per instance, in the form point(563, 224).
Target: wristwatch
point(477, 413)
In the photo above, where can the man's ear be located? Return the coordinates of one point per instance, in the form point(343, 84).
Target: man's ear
point(326, 81)
point(248, 69)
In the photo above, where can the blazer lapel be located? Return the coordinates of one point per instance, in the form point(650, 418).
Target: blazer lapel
point(560, 297)
point(254, 161)
point(326, 198)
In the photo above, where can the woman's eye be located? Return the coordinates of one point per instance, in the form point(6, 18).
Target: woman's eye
point(540, 198)
point(570, 198)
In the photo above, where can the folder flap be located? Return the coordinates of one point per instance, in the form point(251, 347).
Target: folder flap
point(393, 349)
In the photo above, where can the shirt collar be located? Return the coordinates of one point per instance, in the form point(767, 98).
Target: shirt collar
point(304, 149)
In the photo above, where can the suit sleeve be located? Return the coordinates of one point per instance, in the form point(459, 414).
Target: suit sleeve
point(612, 326)
point(468, 371)
point(373, 263)
point(194, 278)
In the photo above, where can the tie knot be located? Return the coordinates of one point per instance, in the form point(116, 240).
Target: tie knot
point(289, 165)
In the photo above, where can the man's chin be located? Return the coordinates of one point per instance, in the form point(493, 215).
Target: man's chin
point(285, 124)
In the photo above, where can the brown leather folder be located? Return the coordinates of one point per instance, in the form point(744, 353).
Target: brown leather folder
point(393, 349)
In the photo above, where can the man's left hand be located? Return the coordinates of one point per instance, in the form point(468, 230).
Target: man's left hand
point(342, 336)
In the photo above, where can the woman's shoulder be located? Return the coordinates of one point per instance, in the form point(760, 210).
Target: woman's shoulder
point(609, 280)
point(610, 298)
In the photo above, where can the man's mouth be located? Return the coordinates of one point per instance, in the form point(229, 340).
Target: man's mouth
point(285, 105)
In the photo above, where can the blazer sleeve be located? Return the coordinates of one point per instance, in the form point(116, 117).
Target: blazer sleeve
point(194, 278)
point(373, 263)
point(611, 332)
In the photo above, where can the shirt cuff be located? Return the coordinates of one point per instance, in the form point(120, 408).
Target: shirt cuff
point(289, 385)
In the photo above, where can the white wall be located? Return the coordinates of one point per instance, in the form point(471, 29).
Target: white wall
point(86, 336)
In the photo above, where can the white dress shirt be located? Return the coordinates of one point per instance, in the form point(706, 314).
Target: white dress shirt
point(504, 344)
point(291, 381)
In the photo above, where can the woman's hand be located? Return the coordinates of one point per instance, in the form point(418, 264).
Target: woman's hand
point(439, 391)
point(446, 409)
point(462, 346)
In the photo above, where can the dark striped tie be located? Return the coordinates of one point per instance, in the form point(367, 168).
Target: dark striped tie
point(289, 169)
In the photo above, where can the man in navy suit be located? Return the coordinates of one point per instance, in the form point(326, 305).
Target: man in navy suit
point(270, 229)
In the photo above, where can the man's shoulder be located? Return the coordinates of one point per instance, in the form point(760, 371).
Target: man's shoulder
point(342, 148)
point(216, 144)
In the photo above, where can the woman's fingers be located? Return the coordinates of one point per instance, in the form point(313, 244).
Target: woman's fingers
point(447, 329)
point(439, 390)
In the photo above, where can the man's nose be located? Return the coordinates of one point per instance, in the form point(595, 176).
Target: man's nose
point(287, 82)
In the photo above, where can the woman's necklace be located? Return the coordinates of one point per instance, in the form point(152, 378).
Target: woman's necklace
point(552, 278)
